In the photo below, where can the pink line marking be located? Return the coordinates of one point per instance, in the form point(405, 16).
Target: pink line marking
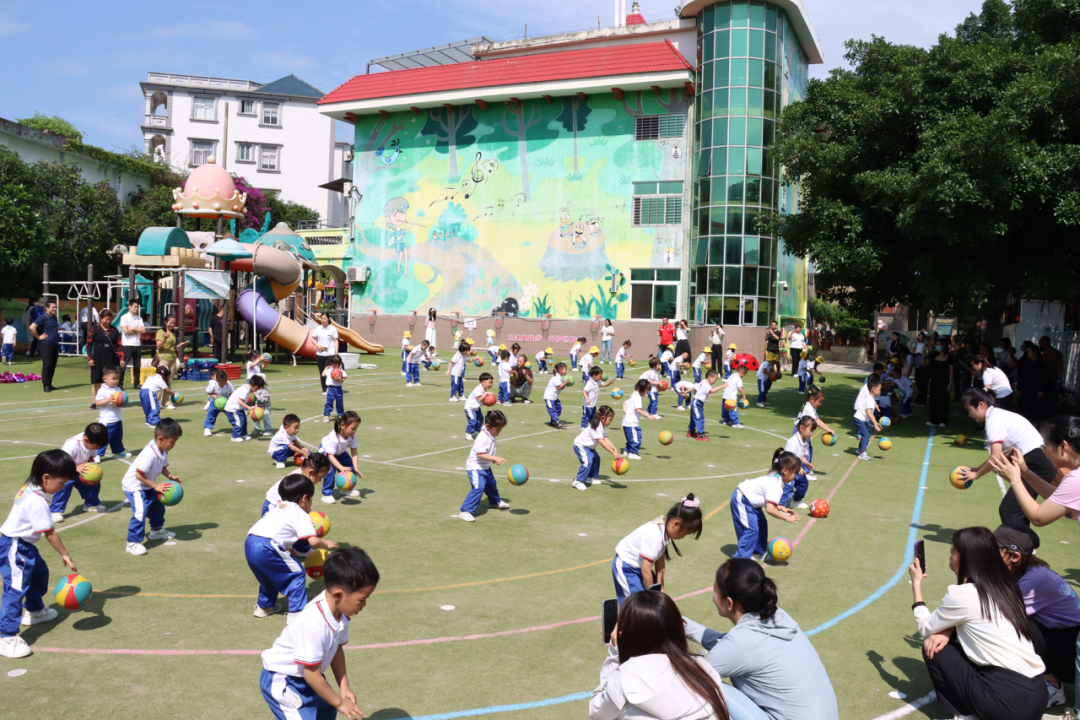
point(810, 523)
point(121, 651)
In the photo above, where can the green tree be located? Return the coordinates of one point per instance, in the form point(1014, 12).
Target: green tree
point(946, 177)
point(289, 212)
point(55, 125)
point(450, 127)
point(573, 118)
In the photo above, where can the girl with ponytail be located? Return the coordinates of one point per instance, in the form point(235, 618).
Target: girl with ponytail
point(775, 671)
point(641, 556)
point(753, 499)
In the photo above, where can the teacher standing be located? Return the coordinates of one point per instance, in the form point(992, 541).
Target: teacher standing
point(667, 335)
point(217, 332)
point(102, 350)
point(167, 348)
point(429, 328)
point(46, 331)
point(716, 339)
point(132, 327)
point(796, 344)
point(326, 340)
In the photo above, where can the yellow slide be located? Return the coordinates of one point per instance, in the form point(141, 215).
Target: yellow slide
point(356, 341)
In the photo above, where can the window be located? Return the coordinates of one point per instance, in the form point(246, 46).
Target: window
point(245, 152)
point(201, 150)
point(247, 107)
point(270, 114)
point(658, 127)
point(203, 109)
point(268, 158)
point(654, 294)
point(657, 203)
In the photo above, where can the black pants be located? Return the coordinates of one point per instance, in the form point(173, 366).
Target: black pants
point(49, 353)
point(322, 363)
point(1009, 510)
point(1057, 648)
point(33, 347)
point(718, 359)
point(132, 361)
point(217, 352)
point(938, 402)
point(988, 692)
point(796, 356)
point(922, 382)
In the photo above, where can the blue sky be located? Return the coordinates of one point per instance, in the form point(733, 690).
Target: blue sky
point(84, 61)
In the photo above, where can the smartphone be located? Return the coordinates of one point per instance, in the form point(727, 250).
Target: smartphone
point(920, 555)
point(609, 615)
point(657, 587)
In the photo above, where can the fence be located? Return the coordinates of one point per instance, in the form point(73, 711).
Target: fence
point(1068, 343)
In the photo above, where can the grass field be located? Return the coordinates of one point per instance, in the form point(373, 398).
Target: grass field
point(501, 612)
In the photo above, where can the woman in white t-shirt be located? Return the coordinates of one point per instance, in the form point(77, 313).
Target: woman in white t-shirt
point(1061, 438)
point(977, 645)
point(994, 380)
point(796, 344)
point(326, 342)
point(607, 333)
point(716, 340)
point(429, 328)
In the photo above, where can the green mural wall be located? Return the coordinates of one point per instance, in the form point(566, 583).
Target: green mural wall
point(791, 268)
point(527, 207)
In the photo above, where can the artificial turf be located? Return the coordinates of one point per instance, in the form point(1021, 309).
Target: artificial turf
point(540, 566)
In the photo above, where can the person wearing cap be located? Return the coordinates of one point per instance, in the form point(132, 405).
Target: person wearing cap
point(977, 645)
point(704, 358)
point(585, 362)
point(1053, 609)
point(541, 361)
point(729, 359)
point(405, 348)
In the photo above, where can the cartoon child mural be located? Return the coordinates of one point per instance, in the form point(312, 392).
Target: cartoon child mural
point(575, 250)
point(394, 212)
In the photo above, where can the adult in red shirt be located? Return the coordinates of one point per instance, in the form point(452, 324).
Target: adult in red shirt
point(667, 335)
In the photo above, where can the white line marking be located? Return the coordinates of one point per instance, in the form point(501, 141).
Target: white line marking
point(908, 708)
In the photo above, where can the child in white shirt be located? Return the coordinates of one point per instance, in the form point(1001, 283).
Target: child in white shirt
point(542, 361)
point(340, 448)
point(574, 350)
point(216, 388)
point(631, 423)
point(8, 335)
point(285, 445)
point(653, 377)
point(405, 348)
point(621, 358)
point(83, 450)
point(799, 446)
point(590, 393)
point(641, 557)
point(729, 359)
point(416, 355)
point(473, 414)
point(478, 468)
point(142, 490)
point(504, 377)
point(150, 394)
point(764, 383)
point(752, 499)
point(665, 360)
point(335, 387)
point(592, 434)
point(239, 404)
point(733, 387)
point(551, 395)
point(704, 358)
point(585, 363)
point(700, 393)
point(456, 372)
point(866, 413)
point(109, 411)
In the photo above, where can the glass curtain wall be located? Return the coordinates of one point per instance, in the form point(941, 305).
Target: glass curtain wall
point(740, 76)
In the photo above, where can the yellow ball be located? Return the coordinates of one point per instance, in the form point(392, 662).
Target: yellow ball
point(828, 439)
point(92, 474)
point(321, 523)
point(957, 479)
point(620, 466)
point(313, 563)
point(961, 440)
point(884, 444)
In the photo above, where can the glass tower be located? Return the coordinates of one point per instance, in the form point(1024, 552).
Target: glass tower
point(743, 52)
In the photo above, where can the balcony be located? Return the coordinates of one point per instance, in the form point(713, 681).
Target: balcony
point(197, 81)
point(157, 121)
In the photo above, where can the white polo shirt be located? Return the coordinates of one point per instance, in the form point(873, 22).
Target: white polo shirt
point(328, 338)
point(416, 355)
point(484, 443)
point(647, 542)
point(587, 437)
point(504, 371)
point(551, 392)
point(996, 382)
point(585, 362)
point(281, 439)
point(155, 383)
point(473, 401)
point(1012, 430)
point(865, 404)
point(151, 461)
point(10, 334)
point(212, 388)
point(108, 414)
point(76, 448)
point(796, 445)
point(541, 357)
point(308, 641)
point(592, 393)
point(666, 357)
point(652, 376)
point(684, 386)
point(765, 489)
point(630, 408)
point(620, 356)
point(328, 373)
point(457, 365)
point(575, 349)
point(131, 323)
point(284, 523)
point(334, 444)
point(30, 517)
point(732, 386)
point(233, 403)
point(701, 360)
point(701, 390)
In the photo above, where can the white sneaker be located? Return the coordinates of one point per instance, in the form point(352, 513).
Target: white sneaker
point(14, 647)
point(467, 517)
point(812, 478)
point(527, 402)
point(578, 485)
point(170, 406)
point(408, 384)
point(632, 456)
point(160, 534)
point(207, 432)
point(864, 456)
point(453, 399)
point(247, 437)
point(354, 493)
point(136, 548)
point(1056, 695)
point(739, 426)
point(761, 405)
point(57, 517)
point(416, 384)
point(326, 418)
point(238, 439)
point(95, 508)
point(402, 375)
point(328, 499)
point(279, 466)
point(40, 616)
point(503, 505)
point(659, 417)
point(267, 612)
point(803, 506)
point(681, 407)
point(151, 426)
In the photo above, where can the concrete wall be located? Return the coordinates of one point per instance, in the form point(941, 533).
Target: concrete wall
point(388, 329)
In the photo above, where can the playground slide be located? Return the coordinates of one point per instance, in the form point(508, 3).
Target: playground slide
point(280, 276)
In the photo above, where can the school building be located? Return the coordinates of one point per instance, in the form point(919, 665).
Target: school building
point(614, 173)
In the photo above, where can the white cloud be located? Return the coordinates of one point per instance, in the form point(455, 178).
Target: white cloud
point(195, 31)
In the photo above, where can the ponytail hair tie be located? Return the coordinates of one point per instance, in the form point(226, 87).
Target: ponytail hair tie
point(691, 503)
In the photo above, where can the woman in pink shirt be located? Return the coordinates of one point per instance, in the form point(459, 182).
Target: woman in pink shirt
point(1062, 447)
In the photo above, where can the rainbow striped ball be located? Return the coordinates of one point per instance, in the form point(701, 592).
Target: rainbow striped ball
point(119, 398)
point(517, 475)
point(617, 393)
point(321, 523)
point(828, 439)
point(957, 477)
point(779, 549)
point(886, 422)
point(478, 362)
point(172, 494)
point(729, 404)
point(744, 403)
point(91, 474)
point(72, 592)
point(884, 444)
point(219, 403)
point(177, 398)
point(345, 481)
point(620, 466)
point(257, 414)
point(666, 437)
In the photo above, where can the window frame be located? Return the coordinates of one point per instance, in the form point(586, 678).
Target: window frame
point(240, 107)
point(652, 285)
point(252, 154)
point(656, 204)
point(669, 126)
point(191, 150)
point(195, 102)
point(277, 108)
point(276, 149)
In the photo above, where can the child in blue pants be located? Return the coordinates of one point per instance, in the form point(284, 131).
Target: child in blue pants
point(753, 499)
point(799, 446)
point(631, 419)
point(284, 526)
point(23, 571)
point(764, 383)
point(109, 413)
point(478, 468)
point(405, 349)
point(340, 448)
point(504, 377)
point(320, 629)
point(698, 394)
point(675, 377)
point(621, 358)
point(416, 356)
point(335, 391)
point(733, 387)
point(804, 375)
point(141, 488)
point(285, 445)
point(554, 387)
point(653, 376)
point(237, 407)
point(456, 371)
point(219, 387)
point(150, 394)
point(641, 556)
point(82, 448)
point(473, 413)
point(866, 414)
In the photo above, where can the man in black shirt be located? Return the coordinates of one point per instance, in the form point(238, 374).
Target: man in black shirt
point(217, 332)
point(47, 332)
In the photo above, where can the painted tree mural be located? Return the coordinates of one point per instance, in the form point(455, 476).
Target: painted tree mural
point(573, 118)
point(521, 127)
point(450, 126)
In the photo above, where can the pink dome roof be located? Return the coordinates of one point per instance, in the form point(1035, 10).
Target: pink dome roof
point(209, 180)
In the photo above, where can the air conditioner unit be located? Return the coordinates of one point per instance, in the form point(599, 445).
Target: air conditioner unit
point(357, 274)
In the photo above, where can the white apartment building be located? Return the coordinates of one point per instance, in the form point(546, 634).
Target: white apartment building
point(271, 134)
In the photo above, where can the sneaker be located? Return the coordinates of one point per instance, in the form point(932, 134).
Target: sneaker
point(578, 485)
point(326, 418)
point(160, 534)
point(761, 405)
point(803, 506)
point(57, 517)
point(659, 417)
point(738, 425)
point(238, 439)
point(691, 434)
point(467, 516)
point(247, 437)
point(402, 375)
point(680, 408)
point(207, 432)
point(136, 548)
point(122, 455)
point(812, 478)
point(95, 508)
point(170, 406)
point(632, 456)
point(416, 384)
point(354, 493)
point(14, 647)
point(453, 399)
point(39, 616)
point(702, 438)
point(1056, 695)
point(328, 499)
point(261, 612)
point(508, 404)
point(151, 425)
point(527, 402)
point(279, 466)
point(864, 456)
point(408, 384)
point(503, 505)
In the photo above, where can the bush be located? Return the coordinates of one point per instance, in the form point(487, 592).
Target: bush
point(846, 324)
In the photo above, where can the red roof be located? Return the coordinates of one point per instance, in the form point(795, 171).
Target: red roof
point(635, 19)
point(633, 59)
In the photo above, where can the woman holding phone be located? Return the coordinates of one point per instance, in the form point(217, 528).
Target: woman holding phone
point(977, 645)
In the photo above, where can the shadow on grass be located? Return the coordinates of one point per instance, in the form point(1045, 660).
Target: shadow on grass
point(915, 681)
point(937, 533)
point(364, 492)
point(389, 714)
point(185, 533)
point(90, 617)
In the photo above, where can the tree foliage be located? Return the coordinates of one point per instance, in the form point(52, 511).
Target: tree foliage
point(289, 212)
point(54, 124)
point(947, 177)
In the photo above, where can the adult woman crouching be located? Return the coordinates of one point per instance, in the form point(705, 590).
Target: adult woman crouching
point(977, 646)
point(775, 671)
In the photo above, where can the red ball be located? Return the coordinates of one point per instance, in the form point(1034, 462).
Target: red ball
point(490, 399)
point(746, 359)
point(819, 508)
point(663, 385)
point(337, 375)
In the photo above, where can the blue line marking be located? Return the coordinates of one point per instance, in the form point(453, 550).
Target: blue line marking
point(506, 708)
point(909, 553)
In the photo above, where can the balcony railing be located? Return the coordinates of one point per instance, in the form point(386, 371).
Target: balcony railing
point(197, 81)
point(157, 121)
